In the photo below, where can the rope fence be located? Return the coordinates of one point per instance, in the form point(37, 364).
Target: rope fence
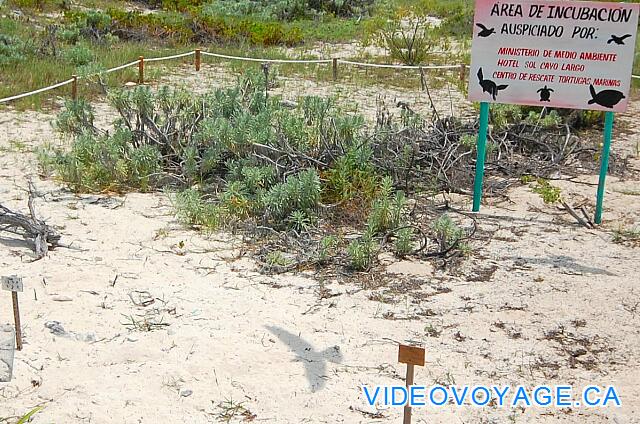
point(117, 68)
point(252, 59)
point(40, 90)
point(141, 61)
point(379, 65)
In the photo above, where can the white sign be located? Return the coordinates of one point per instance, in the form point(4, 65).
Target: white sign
point(568, 54)
point(12, 283)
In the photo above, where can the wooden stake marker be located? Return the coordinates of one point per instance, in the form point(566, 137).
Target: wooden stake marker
point(335, 68)
point(197, 60)
point(14, 285)
point(412, 356)
point(74, 87)
point(141, 70)
point(463, 72)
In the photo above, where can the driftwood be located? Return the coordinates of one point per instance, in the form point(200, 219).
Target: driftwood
point(584, 222)
point(30, 227)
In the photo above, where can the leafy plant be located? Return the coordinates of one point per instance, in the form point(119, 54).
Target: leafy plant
point(192, 209)
point(27, 417)
point(299, 221)
point(327, 248)
point(403, 244)
point(106, 162)
point(299, 192)
point(386, 211)
point(361, 252)
point(623, 235)
point(408, 40)
point(449, 234)
point(76, 118)
point(468, 141)
point(13, 50)
point(78, 55)
point(549, 193)
point(276, 258)
point(352, 176)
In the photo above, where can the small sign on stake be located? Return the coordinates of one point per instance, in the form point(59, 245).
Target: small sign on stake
point(14, 284)
point(412, 356)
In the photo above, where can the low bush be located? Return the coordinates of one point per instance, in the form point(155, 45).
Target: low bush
point(288, 10)
point(235, 134)
point(106, 162)
point(449, 235)
point(78, 55)
point(403, 244)
point(13, 50)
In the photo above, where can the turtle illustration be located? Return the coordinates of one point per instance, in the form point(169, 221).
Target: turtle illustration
point(605, 98)
point(618, 40)
point(485, 31)
point(545, 94)
point(489, 86)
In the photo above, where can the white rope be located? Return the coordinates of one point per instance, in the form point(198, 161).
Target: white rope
point(40, 90)
point(253, 59)
point(635, 76)
point(108, 71)
point(379, 65)
point(157, 59)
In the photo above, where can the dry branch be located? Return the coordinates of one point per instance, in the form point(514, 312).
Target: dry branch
point(30, 227)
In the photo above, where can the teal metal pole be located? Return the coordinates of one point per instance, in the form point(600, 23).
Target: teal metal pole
point(482, 149)
point(604, 164)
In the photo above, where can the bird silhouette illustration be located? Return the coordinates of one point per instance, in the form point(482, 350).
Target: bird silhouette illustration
point(545, 94)
point(315, 362)
point(485, 31)
point(605, 98)
point(489, 86)
point(618, 40)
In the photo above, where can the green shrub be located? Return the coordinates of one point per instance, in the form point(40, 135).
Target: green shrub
point(34, 4)
point(327, 248)
point(287, 10)
point(76, 117)
point(469, 141)
point(13, 50)
point(386, 211)
point(107, 162)
point(361, 252)
point(277, 259)
point(403, 244)
point(550, 194)
point(409, 43)
point(78, 55)
point(300, 192)
point(352, 176)
point(449, 234)
point(192, 209)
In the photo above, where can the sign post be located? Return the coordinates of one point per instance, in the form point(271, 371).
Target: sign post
point(412, 356)
point(482, 149)
point(604, 164)
point(14, 285)
point(552, 53)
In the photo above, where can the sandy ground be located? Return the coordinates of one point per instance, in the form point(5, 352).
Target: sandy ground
point(541, 301)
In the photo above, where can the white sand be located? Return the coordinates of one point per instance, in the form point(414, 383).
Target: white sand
point(269, 343)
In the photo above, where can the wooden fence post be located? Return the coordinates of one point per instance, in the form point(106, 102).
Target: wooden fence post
point(197, 60)
point(74, 87)
point(141, 70)
point(463, 72)
point(335, 69)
